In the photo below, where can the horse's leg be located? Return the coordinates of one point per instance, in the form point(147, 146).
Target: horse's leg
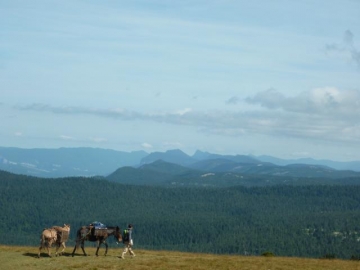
point(63, 245)
point(76, 246)
point(106, 247)
point(48, 247)
point(40, 248)
point(97, 247)
point(57, 248)
point(82, 247)
point(72, 254)
point(58, 245)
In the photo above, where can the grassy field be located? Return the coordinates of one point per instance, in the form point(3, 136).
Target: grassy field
point(16, 257)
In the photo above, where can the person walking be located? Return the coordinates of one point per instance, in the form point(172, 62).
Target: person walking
point(128, 242)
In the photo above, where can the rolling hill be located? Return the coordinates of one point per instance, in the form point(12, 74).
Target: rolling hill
point(225, 173)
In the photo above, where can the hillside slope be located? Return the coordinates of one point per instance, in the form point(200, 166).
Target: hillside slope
point(23, 258)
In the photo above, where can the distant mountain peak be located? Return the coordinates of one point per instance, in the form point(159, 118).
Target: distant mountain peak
point(200, 155)
point(172, 156)
point(175, 151)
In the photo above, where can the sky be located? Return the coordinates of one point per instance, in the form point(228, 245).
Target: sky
point(279, 78)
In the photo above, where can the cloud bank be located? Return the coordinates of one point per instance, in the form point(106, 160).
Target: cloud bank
point(323, 113)
point(324, 102)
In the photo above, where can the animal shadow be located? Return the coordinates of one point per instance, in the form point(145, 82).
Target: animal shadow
point(32, 254)
point(35, 255)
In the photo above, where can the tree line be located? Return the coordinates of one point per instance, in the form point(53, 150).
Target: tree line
point(305, 221)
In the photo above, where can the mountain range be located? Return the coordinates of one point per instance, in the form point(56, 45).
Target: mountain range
point(175, 167)
point(64, 162)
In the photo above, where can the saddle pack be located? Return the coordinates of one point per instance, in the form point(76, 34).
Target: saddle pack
point(98, 229)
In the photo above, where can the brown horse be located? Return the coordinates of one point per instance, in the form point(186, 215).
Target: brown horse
point(62, 237)
point(55, 235)
point(89, 233)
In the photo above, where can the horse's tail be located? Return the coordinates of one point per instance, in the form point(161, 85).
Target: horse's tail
point(42, 237)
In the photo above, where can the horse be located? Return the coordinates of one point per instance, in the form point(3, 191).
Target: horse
point(55, 235)
point(62, 237)
point(90, 233)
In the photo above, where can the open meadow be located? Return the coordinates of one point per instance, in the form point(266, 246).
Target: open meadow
point(21, 257)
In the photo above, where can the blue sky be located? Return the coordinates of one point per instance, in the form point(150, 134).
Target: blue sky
point(278, 78)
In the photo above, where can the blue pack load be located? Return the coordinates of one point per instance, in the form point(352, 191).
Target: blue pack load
point(98, 225)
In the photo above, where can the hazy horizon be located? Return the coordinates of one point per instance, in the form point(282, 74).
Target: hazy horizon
point(190, 154)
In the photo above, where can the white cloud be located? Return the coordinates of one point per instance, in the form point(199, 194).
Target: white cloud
point(146, 145)
point(270, 98)
point(65, 137)
point(183, 111)
point(18, 134)
point(94, 139)
point(326, 100)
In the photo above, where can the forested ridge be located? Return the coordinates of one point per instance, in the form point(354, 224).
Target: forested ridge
point(311, 220)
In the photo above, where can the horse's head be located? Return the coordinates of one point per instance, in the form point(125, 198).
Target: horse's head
point(67, 227)
point(117, 234)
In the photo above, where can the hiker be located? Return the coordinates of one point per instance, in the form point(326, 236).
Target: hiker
point(128, 242)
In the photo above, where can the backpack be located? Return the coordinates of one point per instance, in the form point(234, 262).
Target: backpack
point(125, 235)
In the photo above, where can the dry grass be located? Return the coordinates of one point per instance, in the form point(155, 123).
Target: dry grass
point(14, 257)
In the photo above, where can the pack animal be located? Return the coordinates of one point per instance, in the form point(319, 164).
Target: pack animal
point(55, 235)
point(89, 233)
